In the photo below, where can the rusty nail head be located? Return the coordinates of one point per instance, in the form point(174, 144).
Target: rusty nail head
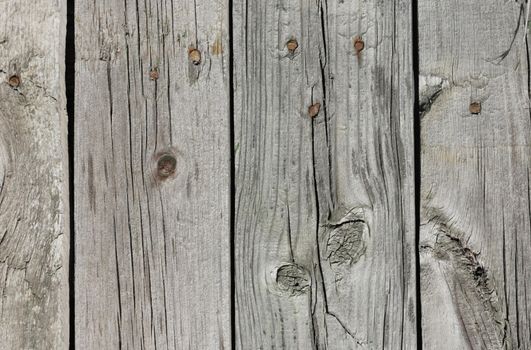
point(14, 81)
point(314, 109)
point(475, 107)
point(166, 166)
point(195, 56)
point(292, 45)
point(359, 44)
point(154, 74)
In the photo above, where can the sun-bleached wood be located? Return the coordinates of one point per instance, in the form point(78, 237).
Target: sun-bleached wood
point(152, 251)
point(34, 238)
point(324, 212)
point(476, 155)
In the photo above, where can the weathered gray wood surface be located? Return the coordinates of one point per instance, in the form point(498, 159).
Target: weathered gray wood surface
point(324, 226)
point(152, 251)
point(475, 233)
point(33, 176)
point(324, 232)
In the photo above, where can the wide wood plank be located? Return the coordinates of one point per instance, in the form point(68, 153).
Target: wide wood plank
point(152, 175)
point(34, 220)
point(476, 159)
point(324, 221)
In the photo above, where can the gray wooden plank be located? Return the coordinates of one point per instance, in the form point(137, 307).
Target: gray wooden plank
point(152, 175)
point(324, 221)
point(476, 158)
point(34, 221)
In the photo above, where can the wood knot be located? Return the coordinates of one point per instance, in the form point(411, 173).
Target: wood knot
point(195, 56)
point(314, 109)
point(291, 280)
point(475, 107)
point(346, 243)
point(14, 81)
point(166, 165)
point(292, 45)
point(154, 74)
point(347, 240)
point(359, 44)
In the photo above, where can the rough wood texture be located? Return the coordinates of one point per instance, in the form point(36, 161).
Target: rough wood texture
point(324, 226)
point(476, 158)
point(33, 176)
point(152, 175)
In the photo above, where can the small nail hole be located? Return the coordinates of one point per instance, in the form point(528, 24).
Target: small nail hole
point(195, 56)
point(314, 109)
point(359, 44)
point(292, 45)
point(475, 108)
point(166, 166)
point(14, 81)
point(154, 74)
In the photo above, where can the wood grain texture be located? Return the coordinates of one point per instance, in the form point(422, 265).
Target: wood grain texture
point(152, 245)
point(324, 212)
point(34, 239)
point(475, 230)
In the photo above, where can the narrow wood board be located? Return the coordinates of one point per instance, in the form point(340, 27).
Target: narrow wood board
point(324, 212)
point(34, 220)
point(152, 251)
point(476, 158)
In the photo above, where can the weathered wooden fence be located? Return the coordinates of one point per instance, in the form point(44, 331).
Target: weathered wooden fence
point(250, 174)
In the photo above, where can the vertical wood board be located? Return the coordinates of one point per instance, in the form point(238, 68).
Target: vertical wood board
point(34, 222)
point(152, 175)
point(476, 158)
point(324, 212)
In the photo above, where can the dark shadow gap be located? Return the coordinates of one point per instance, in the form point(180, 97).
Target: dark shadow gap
point(417, 150)
point(232, 178)
point(70, 60)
